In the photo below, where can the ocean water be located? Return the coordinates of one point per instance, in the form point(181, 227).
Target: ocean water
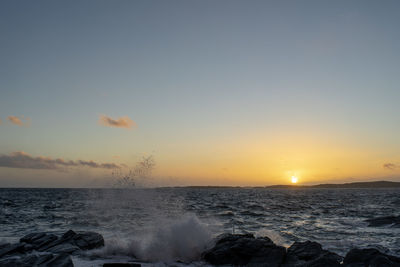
point(175, 225)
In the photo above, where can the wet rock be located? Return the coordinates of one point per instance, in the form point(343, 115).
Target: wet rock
point(121, 265)
point(369, 257)
point(39, 240)
point(83, 240)
point(65, 244)
point(68, 235)
point(88, 240)
point(70, 242)
point(381, 221)
point(13, 262)
point(59, 260)
point(245, 250)
point(63, 248)
point(310, 254)
point(12, 249)
point(44, 260)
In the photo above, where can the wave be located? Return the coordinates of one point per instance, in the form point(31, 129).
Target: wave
point(179, 240)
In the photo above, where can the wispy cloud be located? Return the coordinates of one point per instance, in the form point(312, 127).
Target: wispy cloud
point(123, 122)
point(23, 160)
point(391, 166)
point(18, 120)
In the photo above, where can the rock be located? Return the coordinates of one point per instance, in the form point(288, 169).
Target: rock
point(59, 260)
point(12, 262)
point(121, 264)
point(70, 242)
point(63, 248)
point(65, 244)
point(245, 250)
point(88, 240)
point(39, 240)
point(68, 235)
point(10, 249)
point(310, 254)
point(44, 260)
point(381, 221)
point(369, 257)
point(29, 238)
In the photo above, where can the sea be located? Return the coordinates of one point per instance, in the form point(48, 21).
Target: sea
point(173, 226)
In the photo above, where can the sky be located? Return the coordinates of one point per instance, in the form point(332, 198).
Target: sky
point(241, 93)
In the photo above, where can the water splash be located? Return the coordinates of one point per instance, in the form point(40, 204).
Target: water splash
point(178, 240)
point(136, 176)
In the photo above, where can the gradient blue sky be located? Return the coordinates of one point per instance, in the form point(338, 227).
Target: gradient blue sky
point(222, 92)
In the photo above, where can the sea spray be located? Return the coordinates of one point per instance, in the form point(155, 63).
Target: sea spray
point(175, 240)
point(135, 177)
point(275, 236)
point(165, 231)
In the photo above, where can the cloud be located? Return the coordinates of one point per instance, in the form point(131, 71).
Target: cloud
point(123, 122)
point(23, 160)
point(391, 166)
point(18, 120)
point(15, 120)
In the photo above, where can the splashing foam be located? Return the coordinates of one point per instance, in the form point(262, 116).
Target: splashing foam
point(274, 236)
point(182, 240)
point(135, 177)
point(165, 239)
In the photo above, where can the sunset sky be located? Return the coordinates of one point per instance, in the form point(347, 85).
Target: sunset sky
point(242, 93)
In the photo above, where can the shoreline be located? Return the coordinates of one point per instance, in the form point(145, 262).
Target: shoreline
point(47, 249)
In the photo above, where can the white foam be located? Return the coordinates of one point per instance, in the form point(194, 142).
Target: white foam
point(184, 239)
point(274, 236)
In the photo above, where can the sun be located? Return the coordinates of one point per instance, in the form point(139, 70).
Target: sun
point(294, 179)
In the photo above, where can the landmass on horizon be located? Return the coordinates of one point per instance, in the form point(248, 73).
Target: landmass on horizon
point(373, 184)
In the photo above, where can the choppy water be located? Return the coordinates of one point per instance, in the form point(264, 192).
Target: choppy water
point(170, 223)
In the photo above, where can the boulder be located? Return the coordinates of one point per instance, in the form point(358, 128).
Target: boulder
point(63, 248)
point(310, 254)
point(59, 260)
point(88, 240)
point(387, 220)
point(245, 249)
point(54, 250)
point(12, 249)
point(38, 241)
point(369, 257)
point(43, 260)
point(70, 242)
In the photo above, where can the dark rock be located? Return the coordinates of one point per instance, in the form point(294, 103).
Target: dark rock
point(65, 244)
point(369, 257)
point(70, 242)
point(63, 248)
point(121, 265)
point(29, 238)
point(39, 240)
point(11, 249)
point(310, 254)
point(68, 235)
point(44, 260)
point(59, 260)
point(88, 240)
point(245, 250)
point(381, 221)
point(11, 262)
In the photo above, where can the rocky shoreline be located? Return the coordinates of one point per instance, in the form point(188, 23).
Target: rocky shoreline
point(46, 249)
point(246, 250)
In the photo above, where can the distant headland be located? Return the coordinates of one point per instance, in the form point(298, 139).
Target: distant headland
point(374, 184)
